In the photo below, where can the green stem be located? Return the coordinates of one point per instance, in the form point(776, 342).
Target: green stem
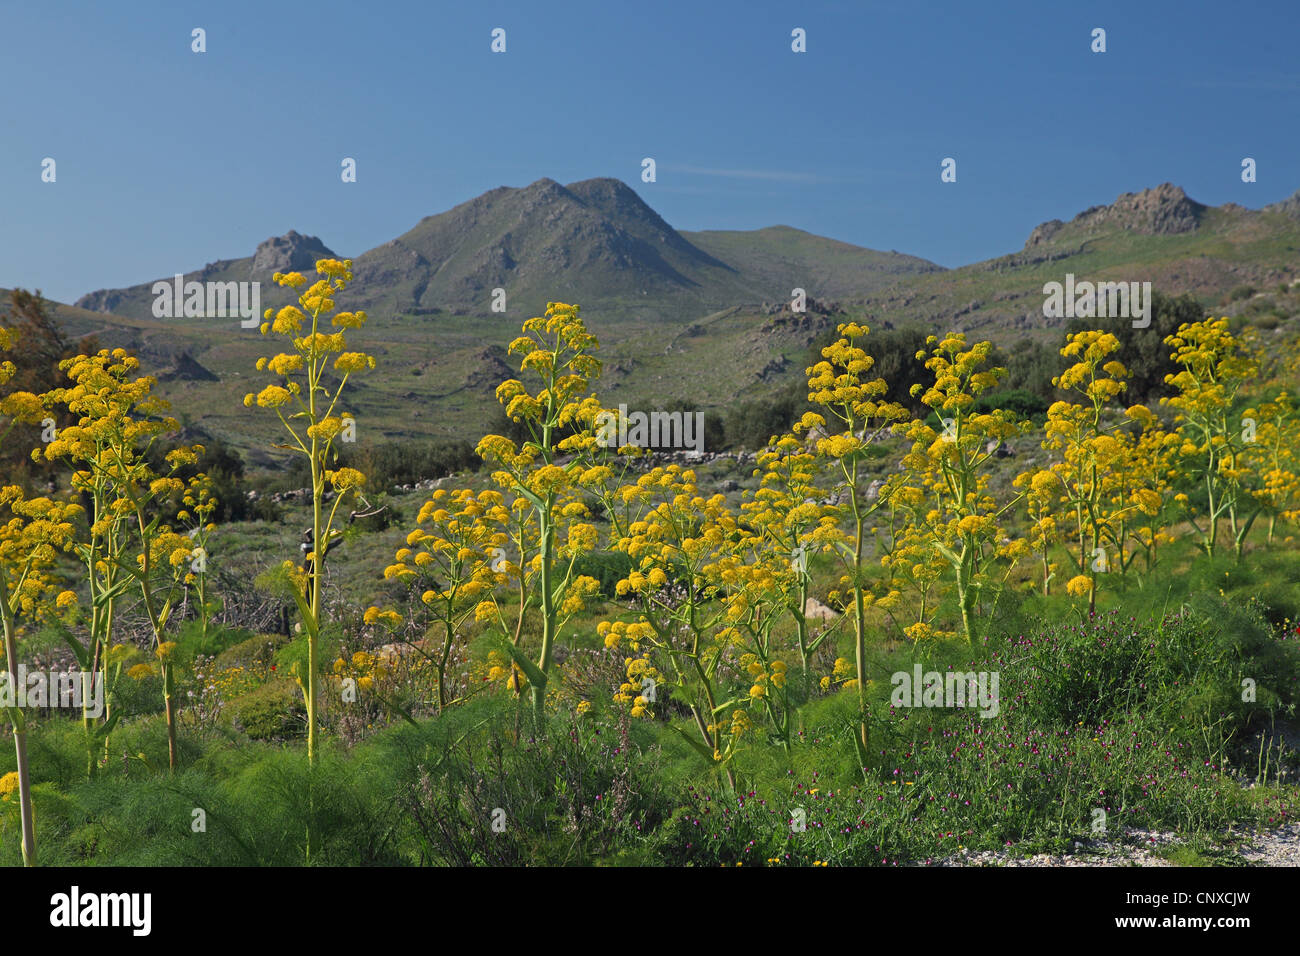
point(20, 746)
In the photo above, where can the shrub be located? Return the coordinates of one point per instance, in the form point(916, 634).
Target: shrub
point(1024, 405)
point(576, 795)
point(607, 567)
point(259, 649)
point(273, 711)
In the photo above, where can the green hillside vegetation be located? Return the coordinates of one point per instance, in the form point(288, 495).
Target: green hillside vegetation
point(1123, 694)
point(700, 334)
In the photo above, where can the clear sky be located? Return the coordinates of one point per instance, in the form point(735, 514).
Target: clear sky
point(168, 159)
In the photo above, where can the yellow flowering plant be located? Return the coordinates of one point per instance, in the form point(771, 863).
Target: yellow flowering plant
point(310, 409)
point(955, 514)
point(1215, 368)
point(368, 669)
point(1274, 456)
point(199, 505)
point(854, 403)
point(785, 512)
point(31, 538)
point(1094, 480)
point(912, 566)
point(16, 407)
point(1042, 490)
point(82, 446)
point(37, 530)
point(680, 550)
point(560, 418)
point(119, 422)
point(449, 560)
point(521, 577)
point(1140, 504)
point(758, 584)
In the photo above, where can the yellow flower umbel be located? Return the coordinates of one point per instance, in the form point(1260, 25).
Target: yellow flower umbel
point(311, 413)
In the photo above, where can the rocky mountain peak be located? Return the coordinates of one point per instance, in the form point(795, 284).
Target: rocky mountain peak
point(1287, 207)
point(1165, 210)
point(290, 252)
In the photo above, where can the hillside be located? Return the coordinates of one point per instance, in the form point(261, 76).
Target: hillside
point(1158, 235)
point(780, 257)
point(595, 242)
point(277, 254)
point(695, 316)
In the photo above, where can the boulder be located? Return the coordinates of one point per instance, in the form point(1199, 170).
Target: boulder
point(815, 610)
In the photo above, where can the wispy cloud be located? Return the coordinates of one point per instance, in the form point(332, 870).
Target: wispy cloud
point(778, 175)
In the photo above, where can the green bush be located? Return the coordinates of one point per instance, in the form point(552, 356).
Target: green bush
point(400, 463)
point(259, 649)
point(1145, 356)
point(607, 567)
point(1023, 404)
point(273, 711)
point(192, 641)
point(483, 789)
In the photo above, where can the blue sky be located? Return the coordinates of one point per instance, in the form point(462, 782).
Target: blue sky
point(168, 159)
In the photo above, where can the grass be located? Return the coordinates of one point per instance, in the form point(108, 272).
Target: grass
point(1140, 718)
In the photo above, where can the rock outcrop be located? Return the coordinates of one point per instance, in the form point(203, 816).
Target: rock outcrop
point(290, 252)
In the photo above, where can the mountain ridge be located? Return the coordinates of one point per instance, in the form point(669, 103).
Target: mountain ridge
point(594, 240)
point(697, 315)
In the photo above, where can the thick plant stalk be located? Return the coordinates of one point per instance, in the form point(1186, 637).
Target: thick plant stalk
point(314, 583)
point(863, 739)
point(87, 721)
point(317, 405)
point(156, 620)
point(171, 717)
point(20, 751)
point(108, 642)
point(548, 611)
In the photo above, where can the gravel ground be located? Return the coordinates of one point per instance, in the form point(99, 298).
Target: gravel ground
point(1280, 847)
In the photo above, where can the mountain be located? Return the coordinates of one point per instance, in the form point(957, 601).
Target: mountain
point(279, 254)
point(594, 242)
point(1163, 211)
point(779, 256)
point(1157, 235)
point(1287, 207)
point(683, 315)
point(702, 316)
